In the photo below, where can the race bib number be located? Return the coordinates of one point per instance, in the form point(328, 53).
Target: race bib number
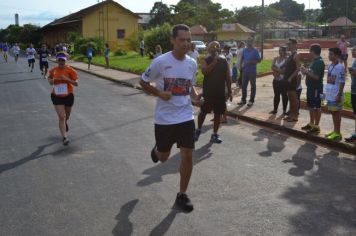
point(61, 89)
point(44, 59)
point(178, 86)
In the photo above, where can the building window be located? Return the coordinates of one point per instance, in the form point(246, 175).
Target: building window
point(120, 33)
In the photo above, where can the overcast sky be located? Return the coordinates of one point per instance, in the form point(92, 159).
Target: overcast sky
point(41, 12)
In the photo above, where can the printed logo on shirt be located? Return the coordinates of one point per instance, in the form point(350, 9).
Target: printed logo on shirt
point(178, 86)
point(147, 72)
point(168, 67)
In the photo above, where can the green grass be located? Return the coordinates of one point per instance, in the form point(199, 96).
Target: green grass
point(133, 62)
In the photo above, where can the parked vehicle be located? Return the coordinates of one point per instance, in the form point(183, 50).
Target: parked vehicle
point(200, 46)
point(233, 51)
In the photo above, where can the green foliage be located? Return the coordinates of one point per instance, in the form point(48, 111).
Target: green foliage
point(159, 35)
point(292, 10)
point(201, 12)
point(25, 34)
point(120, 52)
point(161, 14)
point(133, 41)
point(81, 45)
point(332, 9)
point(251, 16)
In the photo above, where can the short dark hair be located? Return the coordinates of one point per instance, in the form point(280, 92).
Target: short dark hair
point(336, 51)
point(315, 48)
point(283, 48)
point(293, 41)
point(178, 27)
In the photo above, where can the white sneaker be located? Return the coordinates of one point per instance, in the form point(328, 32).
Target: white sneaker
point(249, 104)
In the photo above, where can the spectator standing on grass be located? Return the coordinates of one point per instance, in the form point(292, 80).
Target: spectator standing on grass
point(314, 81)
point(279, 85)
point(142, 47)
point(250, 58)
point(89, 55)
point(352, 70)
point(106, 55)
point(342, 44)
point(158, 51)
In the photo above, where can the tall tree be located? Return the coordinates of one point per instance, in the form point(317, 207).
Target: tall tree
point(203, 12)
point(251, 16)
point(332, 9)
point(161, 14)
point(292, 10)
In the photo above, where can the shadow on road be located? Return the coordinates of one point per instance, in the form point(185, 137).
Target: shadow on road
point(171, 166)
point(13, 73)
point(303, 160)
point(124, 226)
point(19, 80)
point(275, 142)
point(163, 226)
point(35, 155)
point(326, 196)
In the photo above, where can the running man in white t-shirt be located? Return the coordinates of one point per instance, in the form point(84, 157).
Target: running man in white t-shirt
point(174, 74)
point(31, 52)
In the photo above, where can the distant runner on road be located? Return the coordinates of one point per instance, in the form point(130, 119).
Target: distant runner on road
point(63, 78)
point(16, 52)
point(44, 53)
point(31, 52)
point(5, 49)
point(175, 74)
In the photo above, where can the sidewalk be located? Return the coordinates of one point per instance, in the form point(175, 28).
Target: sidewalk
point(257, 114)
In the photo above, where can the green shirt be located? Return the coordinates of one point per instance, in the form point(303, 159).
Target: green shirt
point(317, 67)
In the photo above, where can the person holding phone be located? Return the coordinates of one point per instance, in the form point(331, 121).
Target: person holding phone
point(217, 76)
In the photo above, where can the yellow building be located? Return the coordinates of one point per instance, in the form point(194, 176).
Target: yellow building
point(233, 32)
point(107, 19)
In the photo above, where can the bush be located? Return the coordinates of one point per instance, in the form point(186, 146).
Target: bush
point(159, 35)
point(133, 41)
point(120, 52)
point(81, 44)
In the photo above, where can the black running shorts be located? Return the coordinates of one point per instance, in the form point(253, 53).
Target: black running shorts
point(167, 135)
point(67, 101)
point(43, 64)
point(218, 106)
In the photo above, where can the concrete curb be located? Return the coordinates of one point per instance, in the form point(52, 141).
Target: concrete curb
point(341, 146)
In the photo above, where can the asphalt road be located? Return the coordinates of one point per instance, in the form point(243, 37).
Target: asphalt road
point(104, 183)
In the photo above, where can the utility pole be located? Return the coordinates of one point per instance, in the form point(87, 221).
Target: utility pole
point(262, 27)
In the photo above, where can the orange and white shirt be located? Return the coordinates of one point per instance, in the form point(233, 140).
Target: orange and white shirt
point(62, 88)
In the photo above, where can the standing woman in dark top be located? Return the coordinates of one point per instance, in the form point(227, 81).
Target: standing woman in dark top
point(290, 76)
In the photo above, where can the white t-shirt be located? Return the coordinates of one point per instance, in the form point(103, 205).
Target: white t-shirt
point(176, 76)
point(336, 76)
point(194, 55)
point(16, 50)
point(30, 52)
point(239, 53)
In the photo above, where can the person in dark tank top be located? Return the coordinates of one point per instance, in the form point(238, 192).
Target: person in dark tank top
point(292, 66)
point(217, 77)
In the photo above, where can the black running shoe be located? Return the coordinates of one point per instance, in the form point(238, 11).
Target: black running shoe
point(153, 155)
point(183, 202)
point(65, 141)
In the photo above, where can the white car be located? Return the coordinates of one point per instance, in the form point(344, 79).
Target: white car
point(200, 46)
point(233, 51)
